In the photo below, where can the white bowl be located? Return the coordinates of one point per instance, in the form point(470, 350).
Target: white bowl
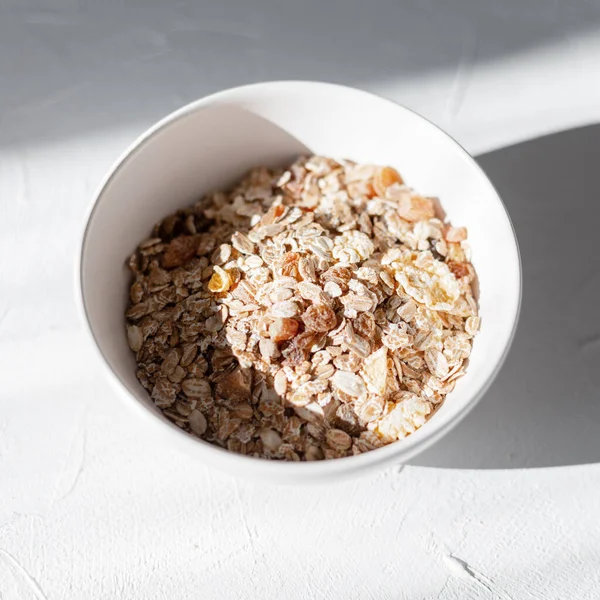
point(209, 144)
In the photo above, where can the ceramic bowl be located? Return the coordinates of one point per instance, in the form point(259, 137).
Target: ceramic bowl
point(211, 143)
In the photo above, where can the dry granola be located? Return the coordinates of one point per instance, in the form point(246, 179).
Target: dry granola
point(315, 312)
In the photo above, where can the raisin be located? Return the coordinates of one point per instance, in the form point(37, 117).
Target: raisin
point(294, 355)
point(364, 325)
point(289, 265)
point(319, 317)
point(305, 340)
point(339, 275)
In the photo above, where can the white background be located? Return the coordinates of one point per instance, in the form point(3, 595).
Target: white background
point(92, 505)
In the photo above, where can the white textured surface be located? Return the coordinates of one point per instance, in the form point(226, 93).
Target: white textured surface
point(92, 507)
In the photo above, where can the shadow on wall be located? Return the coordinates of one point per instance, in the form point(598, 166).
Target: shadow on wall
point(70, 67)
point(544, 408)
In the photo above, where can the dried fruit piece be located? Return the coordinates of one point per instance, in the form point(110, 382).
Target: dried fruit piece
point(415, 208)
point(460, 269)
point(220, 281)
point(293, 355)
point(455, 234)
point(272, 214)
point(282, 329)
point(290, 264)
point(338, 275)
point(383, 178)
point(365, 325)
point(319, 317)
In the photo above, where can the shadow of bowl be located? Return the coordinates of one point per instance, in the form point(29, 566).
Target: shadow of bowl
point(544, 408)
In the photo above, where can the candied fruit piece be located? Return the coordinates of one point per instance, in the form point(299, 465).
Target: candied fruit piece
point(220, 280)
point(384, 178)
point(283, 329)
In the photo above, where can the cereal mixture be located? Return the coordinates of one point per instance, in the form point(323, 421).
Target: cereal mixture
point(317, 312)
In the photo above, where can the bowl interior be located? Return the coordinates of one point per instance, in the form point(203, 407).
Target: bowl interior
point(212, 143)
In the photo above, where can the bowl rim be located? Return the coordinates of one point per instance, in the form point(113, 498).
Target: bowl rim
point(394, 453)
